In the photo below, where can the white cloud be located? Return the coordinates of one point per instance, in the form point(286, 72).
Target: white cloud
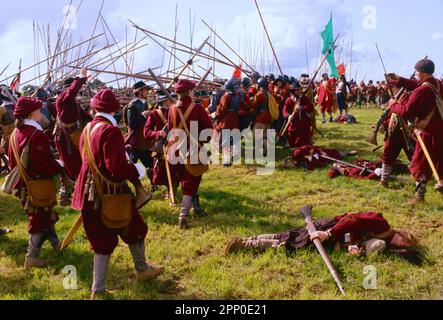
point(437, 36)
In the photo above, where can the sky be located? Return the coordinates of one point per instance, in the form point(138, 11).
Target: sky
point(405, 31)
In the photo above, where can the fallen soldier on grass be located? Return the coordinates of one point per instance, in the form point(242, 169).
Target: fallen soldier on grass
point(365, 233)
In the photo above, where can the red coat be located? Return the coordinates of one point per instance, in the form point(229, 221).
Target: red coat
point(153, 127)
point(299, 130)
point(261, 108)
point(325, 97)
point(189, 183)
point(359, 225)
point(155, 123)
point(421, 102)
point(41, 165)
point(41, 162)
point(69, 112)
point(227, 119)
point(108, 150)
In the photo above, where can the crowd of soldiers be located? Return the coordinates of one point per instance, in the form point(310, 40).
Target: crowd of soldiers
point(47, 134)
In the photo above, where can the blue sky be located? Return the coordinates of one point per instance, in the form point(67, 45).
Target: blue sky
point(405, 31)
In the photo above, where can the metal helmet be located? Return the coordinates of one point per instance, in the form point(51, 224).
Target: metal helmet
point(246, 82)
point(255, 76)
point(286, 78)
point(271, 77)
point(263, 83)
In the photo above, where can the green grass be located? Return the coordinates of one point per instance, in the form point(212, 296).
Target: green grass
point(239, 202)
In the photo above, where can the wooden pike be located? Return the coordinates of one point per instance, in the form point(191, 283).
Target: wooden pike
point(227, 45)
point(189, 63)
point(269, 38)
point(307, 213)
point(48, 59)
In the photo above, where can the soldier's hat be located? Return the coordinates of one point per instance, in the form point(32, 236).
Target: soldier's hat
point(68, 82)
point(139, 86)
point(295, 86)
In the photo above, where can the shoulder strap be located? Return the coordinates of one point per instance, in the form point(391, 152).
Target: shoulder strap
point(14, 146)
point(97, 175)
point(160, 114)
point(433, 88)
point(182, 118)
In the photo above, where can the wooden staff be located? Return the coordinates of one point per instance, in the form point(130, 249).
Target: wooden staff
point(189, 63)
point(233, 51)
point(48, 59)
point(307, 213)
point(427, 154)
point(269, 38)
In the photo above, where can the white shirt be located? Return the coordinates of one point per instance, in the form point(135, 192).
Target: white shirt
point(33, 123)
point(107, 116)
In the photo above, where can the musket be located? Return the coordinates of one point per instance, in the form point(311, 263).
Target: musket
point(363, 169)
point(372, 139)
point(307, 213)
point(305, 91)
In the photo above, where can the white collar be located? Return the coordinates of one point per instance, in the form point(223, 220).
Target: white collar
point(107, 116)
point(142, 100)
point(33, 123)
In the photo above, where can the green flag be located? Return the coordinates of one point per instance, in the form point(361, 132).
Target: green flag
point(328, 40)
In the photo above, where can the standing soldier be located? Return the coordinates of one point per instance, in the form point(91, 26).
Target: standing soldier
point(325, 99)
point(397, 139)
point(69, 124)
point(300, 130)
point(425, 111)
point(371, 92)
point(342, 95)
point(227, 117)
point(102, 192)
point(153, 131)
point(135, 118)
point(263, 118)
point(245, 107)
point(180, 117)
point(29, 149)
point(362, 93)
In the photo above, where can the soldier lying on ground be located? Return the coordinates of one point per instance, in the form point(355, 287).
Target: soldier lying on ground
point(360, 233)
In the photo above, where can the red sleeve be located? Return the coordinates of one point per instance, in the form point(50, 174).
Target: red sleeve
point(359, 224)
point(259, 99)
point(408, 84)
point(288, 108)
point(114, 154)
point(205, 121)
point(149, 131)
point(413, 108)
point(71, 93)
point(308, 105)
point(40, 157)
point(224, 105)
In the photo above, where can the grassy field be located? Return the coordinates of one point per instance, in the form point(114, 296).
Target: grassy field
point(239, 202)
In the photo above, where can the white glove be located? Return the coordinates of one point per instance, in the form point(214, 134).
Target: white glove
point(61, 163)
point(141, 170)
